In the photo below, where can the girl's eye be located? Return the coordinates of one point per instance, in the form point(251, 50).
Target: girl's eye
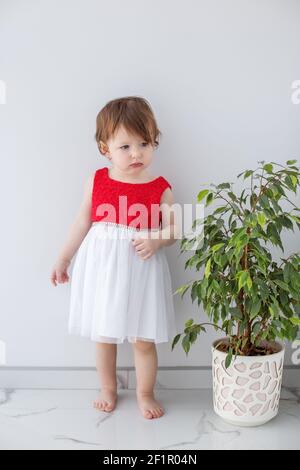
point(126, 146)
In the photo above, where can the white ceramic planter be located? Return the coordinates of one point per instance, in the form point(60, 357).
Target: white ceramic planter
point(248, 392)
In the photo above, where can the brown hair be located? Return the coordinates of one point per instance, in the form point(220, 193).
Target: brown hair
point(134, 113)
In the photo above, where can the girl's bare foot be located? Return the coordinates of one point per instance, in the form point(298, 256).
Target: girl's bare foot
point(107, 400)
point(149, 407)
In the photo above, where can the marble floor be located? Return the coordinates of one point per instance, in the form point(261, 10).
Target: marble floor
point(65, 419)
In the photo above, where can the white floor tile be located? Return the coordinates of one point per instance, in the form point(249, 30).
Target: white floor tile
point(66, 419)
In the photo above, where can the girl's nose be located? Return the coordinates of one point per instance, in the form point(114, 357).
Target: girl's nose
point(136, 158)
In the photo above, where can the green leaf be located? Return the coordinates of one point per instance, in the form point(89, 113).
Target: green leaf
point(202, 194)
point(216, 287)
point(193, 336)
point(255, 309)
point(256, 328)
point(276, 206)
point(175, 341)
point(268, 168)
point(273, 309)
point(203, 288)
point(186, 343)
point(286, 222)
point(207, 268)
point(228, 358)
point(279, 188)
point(224, 186)
point(273, 235)
point(189, 323)
point(295, 321)
point(182, 289)
point(288, 181)
point(261, 219)
point(284, 299)
point(194, 292)
point(282, 284)
point(263, 289)
point(264, 202)
point(295, 218)
point(236, 313)
point(251, 219)
point(291, 162)
point(217, 247)
point(243, 277)
point(209, 198)
point(274, 189)
point(287, 270)
point(253, 200)
point(248, 173)
point(232, 196)
point(237, 234)
point(221, 209)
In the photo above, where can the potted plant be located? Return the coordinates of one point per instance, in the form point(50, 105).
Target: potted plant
point(248, 294)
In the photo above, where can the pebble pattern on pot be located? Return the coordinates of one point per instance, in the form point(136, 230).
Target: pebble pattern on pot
point(247, 390)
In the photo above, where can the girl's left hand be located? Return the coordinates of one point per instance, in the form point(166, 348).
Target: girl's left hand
point(146, 247)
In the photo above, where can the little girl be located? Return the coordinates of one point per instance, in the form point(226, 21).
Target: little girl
point(121, 285)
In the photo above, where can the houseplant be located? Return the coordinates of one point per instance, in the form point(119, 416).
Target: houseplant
point(250, 296)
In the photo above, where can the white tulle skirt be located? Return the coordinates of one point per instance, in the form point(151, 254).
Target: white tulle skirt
point(116, 295)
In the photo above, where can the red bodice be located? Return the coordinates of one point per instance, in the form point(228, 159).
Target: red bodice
point(132, 204)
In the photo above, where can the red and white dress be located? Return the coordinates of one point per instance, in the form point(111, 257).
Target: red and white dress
point(115, 294)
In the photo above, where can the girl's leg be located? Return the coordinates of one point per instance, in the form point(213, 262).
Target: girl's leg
point(145, 357)
point(106, 358)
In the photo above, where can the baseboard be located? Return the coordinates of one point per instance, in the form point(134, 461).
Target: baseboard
point(86, 377)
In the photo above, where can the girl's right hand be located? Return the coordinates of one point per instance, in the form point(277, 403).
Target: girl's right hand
point(59, 272)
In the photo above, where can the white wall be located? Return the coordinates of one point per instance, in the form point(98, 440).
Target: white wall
point(218, 75)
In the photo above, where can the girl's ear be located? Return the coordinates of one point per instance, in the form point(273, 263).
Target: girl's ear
point(103, 147)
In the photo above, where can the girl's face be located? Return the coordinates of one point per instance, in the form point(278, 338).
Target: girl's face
point(125, 149)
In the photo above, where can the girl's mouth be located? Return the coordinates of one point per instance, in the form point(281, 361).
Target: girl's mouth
point(135, 165)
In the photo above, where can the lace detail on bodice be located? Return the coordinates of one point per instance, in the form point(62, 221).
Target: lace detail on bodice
point(119, 202)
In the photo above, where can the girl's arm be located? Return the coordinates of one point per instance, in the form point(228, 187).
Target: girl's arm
point(76, 234)
point(81, 224)
point(169, 233)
